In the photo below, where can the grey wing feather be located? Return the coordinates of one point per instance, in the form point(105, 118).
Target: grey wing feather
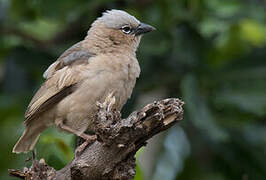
point(32, 113)
point(50, 93)
point(74, 55)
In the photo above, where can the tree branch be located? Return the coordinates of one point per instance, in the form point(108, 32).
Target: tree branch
point(112, 155)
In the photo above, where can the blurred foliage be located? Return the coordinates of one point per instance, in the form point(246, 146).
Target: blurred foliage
point(212, 54)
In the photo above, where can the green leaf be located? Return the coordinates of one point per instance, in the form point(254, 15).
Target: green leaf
point(139, 174)
point(253, 32)
point(53, 142)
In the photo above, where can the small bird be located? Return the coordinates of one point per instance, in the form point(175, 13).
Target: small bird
point(103, 63)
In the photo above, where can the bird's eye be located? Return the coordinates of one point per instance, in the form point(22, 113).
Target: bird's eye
point(126, 29)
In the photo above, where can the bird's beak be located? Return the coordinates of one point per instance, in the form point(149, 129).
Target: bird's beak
point(143, 28)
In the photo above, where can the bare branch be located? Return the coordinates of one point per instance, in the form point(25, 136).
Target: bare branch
point(112, 155)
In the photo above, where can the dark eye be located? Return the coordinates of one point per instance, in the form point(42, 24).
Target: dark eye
point(126, 29)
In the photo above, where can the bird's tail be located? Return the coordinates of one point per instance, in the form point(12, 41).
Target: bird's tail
point(27, 141)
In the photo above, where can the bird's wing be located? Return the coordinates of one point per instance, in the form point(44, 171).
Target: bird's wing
point(74, 55)
point(62, 78)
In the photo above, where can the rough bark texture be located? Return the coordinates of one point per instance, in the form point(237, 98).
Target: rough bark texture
point(112, 155)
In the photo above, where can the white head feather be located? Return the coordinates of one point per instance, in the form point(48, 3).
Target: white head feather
point(116, 19)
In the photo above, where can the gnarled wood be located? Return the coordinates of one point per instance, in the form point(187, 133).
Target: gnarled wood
point(112, 155)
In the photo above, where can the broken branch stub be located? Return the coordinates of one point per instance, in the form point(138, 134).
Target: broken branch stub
point(150, 120)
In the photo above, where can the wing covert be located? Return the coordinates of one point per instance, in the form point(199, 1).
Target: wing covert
point(62, 78)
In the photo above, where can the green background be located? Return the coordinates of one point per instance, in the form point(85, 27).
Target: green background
point(210, 53)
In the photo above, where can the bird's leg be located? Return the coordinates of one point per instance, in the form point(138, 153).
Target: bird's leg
point(88, 138)
point(34, 157)
point(34, 154)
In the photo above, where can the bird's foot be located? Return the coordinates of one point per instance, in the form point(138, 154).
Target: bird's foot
point(89, 139)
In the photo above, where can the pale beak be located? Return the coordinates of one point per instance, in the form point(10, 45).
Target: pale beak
point(143, 28)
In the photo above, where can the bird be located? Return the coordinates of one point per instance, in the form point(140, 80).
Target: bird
point(103, 63)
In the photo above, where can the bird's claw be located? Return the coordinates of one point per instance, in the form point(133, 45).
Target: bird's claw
point(88, 140)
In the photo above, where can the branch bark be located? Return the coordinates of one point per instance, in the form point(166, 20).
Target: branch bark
point(112, 155)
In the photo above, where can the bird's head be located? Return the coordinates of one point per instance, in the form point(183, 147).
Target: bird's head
point(118, 29)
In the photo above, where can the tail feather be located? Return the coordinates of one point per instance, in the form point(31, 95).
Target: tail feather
point(27, 141)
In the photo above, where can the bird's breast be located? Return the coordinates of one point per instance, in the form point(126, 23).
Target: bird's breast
point(100, 78)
